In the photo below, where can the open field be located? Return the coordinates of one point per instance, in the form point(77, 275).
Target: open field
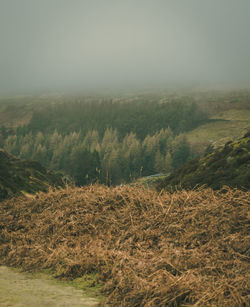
point(148, 249)
point(226, 126)
point(17, 111)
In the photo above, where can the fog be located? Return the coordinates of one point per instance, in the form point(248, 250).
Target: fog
point(77, 45)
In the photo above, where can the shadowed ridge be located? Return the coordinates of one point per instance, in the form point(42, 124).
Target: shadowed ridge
point(21, 177)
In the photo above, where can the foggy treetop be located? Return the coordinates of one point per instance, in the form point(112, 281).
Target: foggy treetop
point(60, 45)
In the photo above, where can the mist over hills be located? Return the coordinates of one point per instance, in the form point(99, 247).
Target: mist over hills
point(108, 93)
point(63, 46)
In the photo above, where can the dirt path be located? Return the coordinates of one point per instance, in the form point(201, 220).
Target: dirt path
point(24, 290)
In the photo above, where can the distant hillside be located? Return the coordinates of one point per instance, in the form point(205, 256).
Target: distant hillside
point(222, 127)
point(229, 165)
point(117, 138)
point(20, 177)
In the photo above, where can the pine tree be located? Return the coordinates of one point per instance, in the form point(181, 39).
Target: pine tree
point(180, 150)
point(159, 164)
point(40, 154)
point(168, 162)
point(131, 156)
point(91, 141)
point(11, 145)
point(83, 165)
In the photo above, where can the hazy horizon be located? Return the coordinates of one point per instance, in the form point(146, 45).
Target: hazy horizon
point(80, 45)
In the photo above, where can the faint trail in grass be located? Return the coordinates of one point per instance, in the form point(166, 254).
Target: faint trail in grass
point(22, 290)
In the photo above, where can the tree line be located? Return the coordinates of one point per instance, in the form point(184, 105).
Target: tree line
point(105, 140)
point(90, 158)
point(142, 117)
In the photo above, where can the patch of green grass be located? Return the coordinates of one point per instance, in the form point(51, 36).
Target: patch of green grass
point(234, 114)
point(148, 181)
point(89, 284)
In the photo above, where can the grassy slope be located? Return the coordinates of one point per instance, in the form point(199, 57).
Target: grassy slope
point(148, 181)
point(226, 126)
point(23, 177)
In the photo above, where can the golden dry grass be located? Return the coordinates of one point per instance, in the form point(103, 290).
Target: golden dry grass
point(181, 249)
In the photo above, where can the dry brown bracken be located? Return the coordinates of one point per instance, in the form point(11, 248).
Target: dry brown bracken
point(188, 248)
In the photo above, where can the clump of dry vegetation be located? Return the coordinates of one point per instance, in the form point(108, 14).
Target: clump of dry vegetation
point(149, 249)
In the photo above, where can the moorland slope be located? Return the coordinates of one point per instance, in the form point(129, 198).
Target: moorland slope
point(228, 165)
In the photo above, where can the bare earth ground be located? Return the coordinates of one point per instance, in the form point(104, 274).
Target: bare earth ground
point(25, 290)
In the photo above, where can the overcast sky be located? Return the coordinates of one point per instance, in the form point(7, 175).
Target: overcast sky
point(61, 45)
